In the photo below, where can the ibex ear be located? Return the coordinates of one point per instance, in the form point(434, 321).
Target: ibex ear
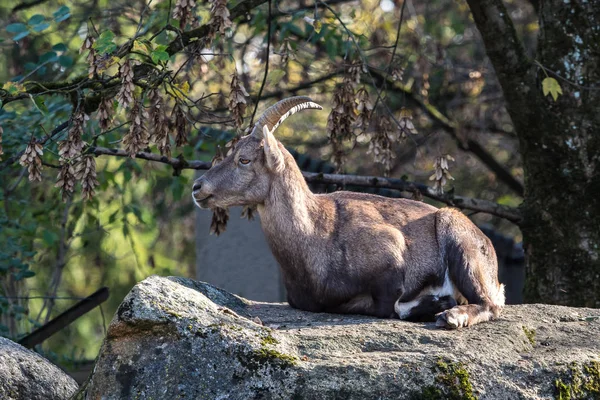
point(273, 156)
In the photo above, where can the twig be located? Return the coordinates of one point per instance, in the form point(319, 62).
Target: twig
point(262, 85)
point(25, 6)
point(9, 161)
point(63, 247)
point(387, 70)
point(301, 8)
point(545, 69)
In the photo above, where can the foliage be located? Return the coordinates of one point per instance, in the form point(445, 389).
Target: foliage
point(81, 79)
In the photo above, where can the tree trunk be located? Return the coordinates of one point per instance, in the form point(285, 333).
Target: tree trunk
point(559, 143)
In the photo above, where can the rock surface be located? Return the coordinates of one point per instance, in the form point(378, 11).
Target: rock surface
point(176, 338)
point(25, 375)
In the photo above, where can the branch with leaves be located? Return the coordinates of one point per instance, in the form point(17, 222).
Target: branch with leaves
point(465, 203)
point(150, 73)
point(377, 78)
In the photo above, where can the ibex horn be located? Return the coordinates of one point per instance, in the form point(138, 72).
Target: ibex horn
point(278, 112)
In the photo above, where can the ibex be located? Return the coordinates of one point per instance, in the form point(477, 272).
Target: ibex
point(348, 252)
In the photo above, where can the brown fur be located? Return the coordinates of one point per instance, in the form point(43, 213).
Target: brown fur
point(358, 253)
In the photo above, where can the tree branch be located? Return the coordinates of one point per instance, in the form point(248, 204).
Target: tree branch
point(186, 38)
point(468, 145)
point(310, 7)
point(25, 6)
point(176, 163)
point(183, 40)
point(465, 203)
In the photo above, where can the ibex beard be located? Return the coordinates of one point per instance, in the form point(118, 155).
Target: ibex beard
point(348, 252)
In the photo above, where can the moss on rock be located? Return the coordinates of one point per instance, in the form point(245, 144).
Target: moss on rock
point(530, 333)
point(582, 382)
point(452, 383)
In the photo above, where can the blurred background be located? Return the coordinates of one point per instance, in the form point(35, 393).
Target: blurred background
point(140, 220)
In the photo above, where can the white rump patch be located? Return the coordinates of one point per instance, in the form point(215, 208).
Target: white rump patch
point(403, 309)
point(447, 289)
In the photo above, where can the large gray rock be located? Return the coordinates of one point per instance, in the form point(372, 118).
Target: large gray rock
point(176, 338)
point(25, 375)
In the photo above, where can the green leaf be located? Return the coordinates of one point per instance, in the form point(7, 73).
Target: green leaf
point(49, 237)
point(41, 104)
point(331, 46)
point(36, 19)
point(113, 217)
point(41, 27)
point(159, 56)
point(50, 56)
point(62, 13)
point(552, 87)
point(20, 36)
point(28, 274)
point(59, 47)
point(16, 28)
point(142, 46)
point(317, 25)
point(65, 61)
point(137, 212)
point(63, 17)
point(105, 44)
point(276, 75)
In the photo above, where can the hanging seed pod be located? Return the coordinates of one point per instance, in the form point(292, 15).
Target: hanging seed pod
point(72, 147)
point(341, 119)
point(220, 16)
point(218, 224)
point(181, 126)
point(364, 110)
point(1, 151)
point(406, 125)
point(32, 160)
point(237, 100)
point(66, 180)
point(160, 124)
point(85, 171)
point(441, 173)
point(125, 95)
point(382, 141)
point(184, 12)
point(105, 113)
point(248, 212)
point(136, 138)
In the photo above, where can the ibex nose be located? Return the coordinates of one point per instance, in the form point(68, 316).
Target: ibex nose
point(197, 186)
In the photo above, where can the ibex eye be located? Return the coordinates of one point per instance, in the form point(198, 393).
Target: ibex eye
point(244, 161)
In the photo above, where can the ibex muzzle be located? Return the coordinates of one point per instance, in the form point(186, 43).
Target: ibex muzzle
point(358, 253)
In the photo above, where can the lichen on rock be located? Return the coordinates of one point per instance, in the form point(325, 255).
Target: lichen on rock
point(27, 375)
point(176, 338)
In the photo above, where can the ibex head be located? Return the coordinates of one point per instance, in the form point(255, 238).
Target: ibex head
point(244, 177)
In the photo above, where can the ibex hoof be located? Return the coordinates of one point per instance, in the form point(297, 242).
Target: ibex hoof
point(452, 319)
